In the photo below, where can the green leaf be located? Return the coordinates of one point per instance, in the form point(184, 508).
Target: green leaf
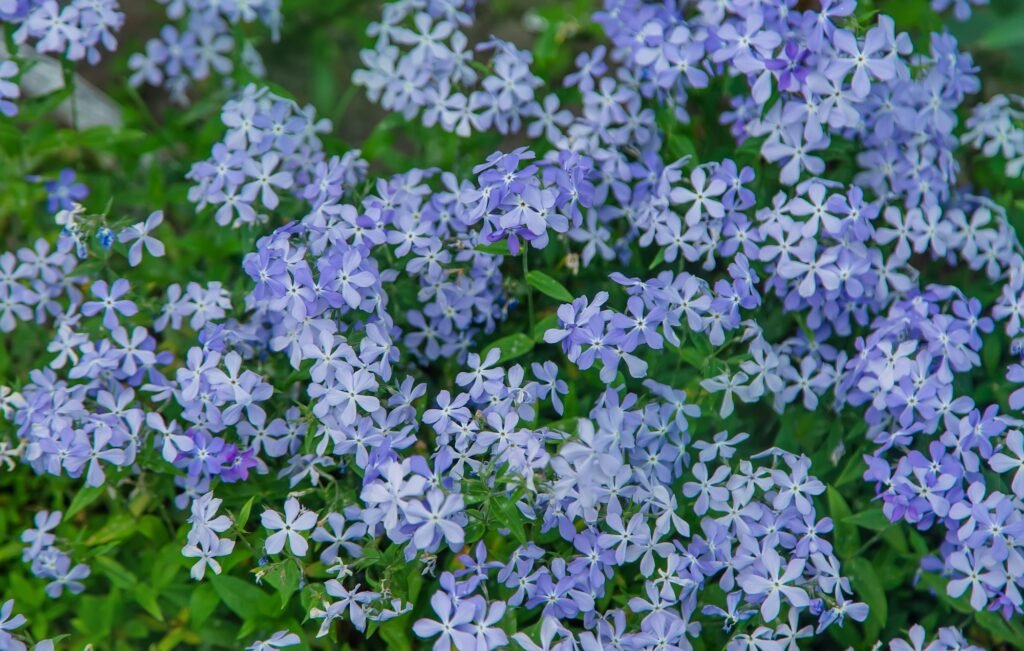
point(495, 248)
point(873, 519)
point(415, 582)
point(847, 538)
point(933, 582)
point(118, 574)
point(38, 107)
point(681, 146)
point(511, 347)
point(658, 259)
point(152, 527)
point(96, 615)
point(549, 286)
point(243, 514)
point(117, 527)
point(243, 598)
point(567, 425)
point(545, 324)
point(509, 516)
point(866, 584)
point(380, 144)
point(894, 537)
point(773, 99)
point(83, 498)
point(1005, 33)
point(11, 549)
point(396, 634)
point(1011, 631)
point(313, 594)
point(474, 530)
point(474, 492)
point(167, 563)
point(146, 597)
point(992, 355)
point(24, 592)
point(284, 576)
point(692, 356)
point(853, 471)
point(202, 603)
point(750, 150)
point(918, 542)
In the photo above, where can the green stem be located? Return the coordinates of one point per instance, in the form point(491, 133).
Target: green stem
point(529, 290)
point(343, 103)
point(869, 543)
point(144, 110)
point(68, 70)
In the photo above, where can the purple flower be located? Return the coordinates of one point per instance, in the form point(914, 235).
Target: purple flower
point(66, 577)
point(139, 234)
point(1001, 462)
point(794, 151)
point(278, 640)
point(702, 199)
point(40, 537)
point(8, 89)
point(774, 585)
point(289, 528)
point(434, 519)
point(978, 573)
point(110, 302)
point(64, 192)
point(453, 623)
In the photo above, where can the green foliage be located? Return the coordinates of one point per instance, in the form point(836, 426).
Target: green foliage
point(549, 286)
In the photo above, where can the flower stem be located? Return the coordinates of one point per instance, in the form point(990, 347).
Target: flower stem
point(529, 290)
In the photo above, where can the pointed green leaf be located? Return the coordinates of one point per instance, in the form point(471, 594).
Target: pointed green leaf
point(847, 538)
point(511, 347)
point(547, 285)
point(117, 527)
point(658, 259)
point(866, 585)
point(1005, 34)
point(495, 248)
point(547, 323)
point(243, 514)
point(853, 471)
point(146, 597)
point(83, 498)
point(873, 519)
point(119, 575)
point(243, 598)
point(284, 576)
point(510, 517)
point(202, 603)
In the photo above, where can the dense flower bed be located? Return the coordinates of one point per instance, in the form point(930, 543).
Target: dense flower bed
point(673, 325)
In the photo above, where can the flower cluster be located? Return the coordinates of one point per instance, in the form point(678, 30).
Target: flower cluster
point(9, 622)
point(948, 639)
point(203, 544)
point(77, 30)
point(610, 477)
point(34, 279)
point(47, 561)
point(423, 65)
point(996, 128)
point(200, 41)
point(63, 192)
point(271, 145)
point(961, 8)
